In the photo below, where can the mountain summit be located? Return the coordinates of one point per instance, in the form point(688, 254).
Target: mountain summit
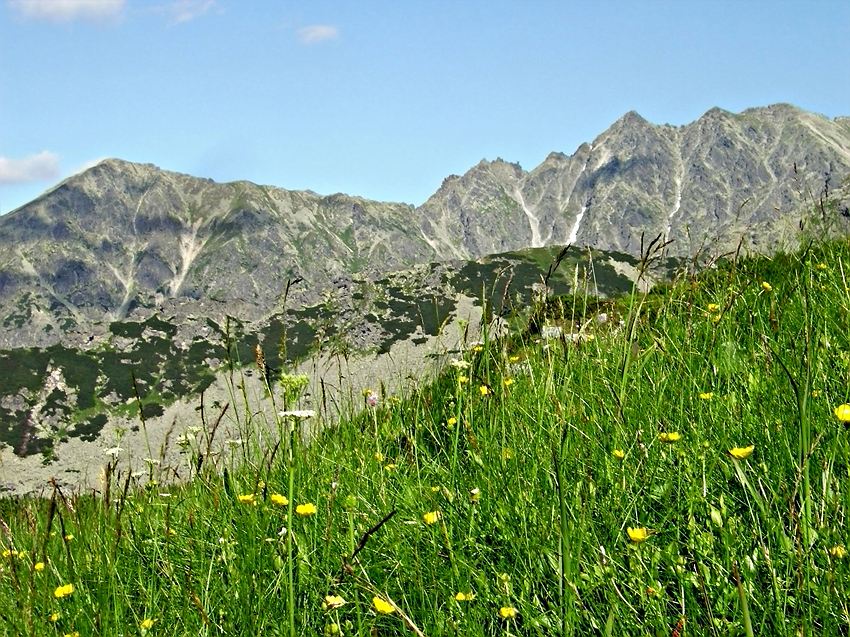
point(122, 236)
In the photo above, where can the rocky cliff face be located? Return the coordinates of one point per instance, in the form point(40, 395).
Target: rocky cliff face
point(706, 186)
point(124, 239)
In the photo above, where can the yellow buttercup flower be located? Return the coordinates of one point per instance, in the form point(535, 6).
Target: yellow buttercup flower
point(279, 500)
point(248, 498)
point(306, 509)
point(464, 597)
point(842, 412)
point(379, 457)
point(639, 534)
point(767, 287)
point(669, 436)
point(390, 467)
point(485, 390)
point(706, 395)
point(619, 454)
point(333, 602)
point(431, 517)
point(513, 358)
point(382, 606)
point(54, 617)
point(146, 624)
point(741, 453)
point(462, 379)
point(508, 612)
point(39, 567)
point(821, 266)
point(451, 422)
point(508, 382)
point(838, 552)
point(713, 307)
point(63, 591)
point(76, 633)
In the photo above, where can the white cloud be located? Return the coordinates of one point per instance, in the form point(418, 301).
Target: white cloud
point(67, 10)
point(187, 10)
point(316, 33)
point(39, 167)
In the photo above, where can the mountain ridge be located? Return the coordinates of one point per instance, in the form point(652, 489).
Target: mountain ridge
point(123, 237)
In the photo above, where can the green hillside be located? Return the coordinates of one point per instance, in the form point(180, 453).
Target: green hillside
point(666, 463)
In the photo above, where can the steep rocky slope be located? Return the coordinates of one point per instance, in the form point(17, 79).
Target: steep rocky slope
point(124, 239)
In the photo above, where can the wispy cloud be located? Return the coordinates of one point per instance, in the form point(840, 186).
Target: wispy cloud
point(42, 166)
point(187, 10)
point(68, 10)
point(316, 33)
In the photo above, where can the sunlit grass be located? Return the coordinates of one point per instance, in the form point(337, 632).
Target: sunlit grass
point(682, 466)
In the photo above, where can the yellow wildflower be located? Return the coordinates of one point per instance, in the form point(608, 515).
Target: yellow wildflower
point(54, 617)
point(391, 467)
point(741, 453)
point(508, 382)
point(478, 348)
point(279, 500)
point(465, 597)
point(838, 552)
point(619, 454)
point(842, 412)
point(767, 287)
point(332, 602)
point(713, 307)
point(507, 453)
point(306, 509)
point(146, 624)
point(816, 393)
point(513, 359)
point(10, 553)
point(38, 567)
point(669, 436)
point(706, 395)
point(76, 633)
point(248, 498)
point(451, 422)
point(63, 591)
point(508, 612)
point(639, 534)
point(462, 379)
point(379, 457)
point(431, 517)
point(69, 537)
point(485, 390)
point(382, 606)
point(821, 266)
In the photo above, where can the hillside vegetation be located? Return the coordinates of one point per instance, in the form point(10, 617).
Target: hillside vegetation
point(669, 463)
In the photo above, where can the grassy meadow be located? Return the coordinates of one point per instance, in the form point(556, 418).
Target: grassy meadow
point(674, 463)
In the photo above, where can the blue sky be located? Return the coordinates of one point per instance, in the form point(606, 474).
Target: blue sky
point(383, 99)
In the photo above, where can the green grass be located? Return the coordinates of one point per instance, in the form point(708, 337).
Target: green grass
point(535, 481)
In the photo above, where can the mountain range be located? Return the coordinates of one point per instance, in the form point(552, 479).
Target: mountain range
point(123, 239)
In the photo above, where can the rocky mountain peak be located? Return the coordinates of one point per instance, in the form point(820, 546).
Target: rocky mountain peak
point(122, 238)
